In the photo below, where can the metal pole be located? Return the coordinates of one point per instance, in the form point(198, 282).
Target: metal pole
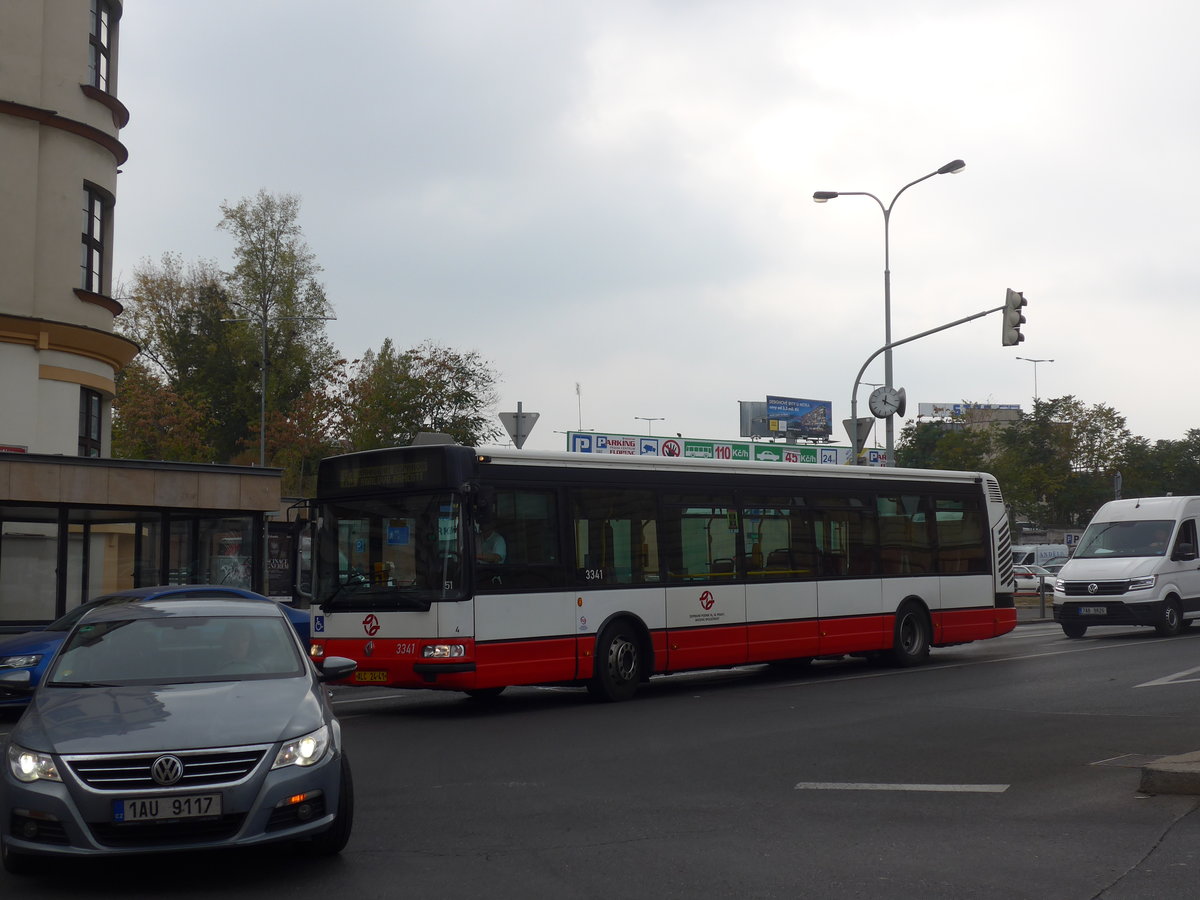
point(262, 400)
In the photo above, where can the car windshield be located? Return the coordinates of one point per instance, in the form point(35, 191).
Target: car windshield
point(176, 649)
point(1106, 540)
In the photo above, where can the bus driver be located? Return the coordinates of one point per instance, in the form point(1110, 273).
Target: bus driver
point(491, 547)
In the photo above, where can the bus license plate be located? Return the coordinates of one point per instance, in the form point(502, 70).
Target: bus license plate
point(370, 676)
point(160, 809)
point(1093, 610)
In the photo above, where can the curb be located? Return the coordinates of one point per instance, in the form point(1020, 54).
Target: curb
point(1172, 775)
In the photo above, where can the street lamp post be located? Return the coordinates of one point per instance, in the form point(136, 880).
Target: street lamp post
point(950, 168)
point(1035, 365)
point(650, 420)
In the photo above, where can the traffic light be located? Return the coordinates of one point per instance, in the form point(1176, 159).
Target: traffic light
point(1013, 318)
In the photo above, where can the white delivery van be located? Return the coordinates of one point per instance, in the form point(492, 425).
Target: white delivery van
point(1135, 565)
point(1037, 554)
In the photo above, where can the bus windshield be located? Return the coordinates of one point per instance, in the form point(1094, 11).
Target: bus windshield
point(391, 551)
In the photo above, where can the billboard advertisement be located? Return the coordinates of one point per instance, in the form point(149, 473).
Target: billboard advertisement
point(791, 416)
point(694, 448)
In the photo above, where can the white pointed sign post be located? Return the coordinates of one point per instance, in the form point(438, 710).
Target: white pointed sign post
point(518, 424)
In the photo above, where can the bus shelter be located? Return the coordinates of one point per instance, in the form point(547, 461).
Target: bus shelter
point(73, 528)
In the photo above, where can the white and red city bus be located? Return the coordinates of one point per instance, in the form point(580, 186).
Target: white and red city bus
point(609, 570)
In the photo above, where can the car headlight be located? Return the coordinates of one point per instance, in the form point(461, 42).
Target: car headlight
point(1145, 583)
point(306, 750)
point(1060, 585)
point(27, 661)
point(29, 765)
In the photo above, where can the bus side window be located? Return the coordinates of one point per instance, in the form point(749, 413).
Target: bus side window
point(527, 520)
point(961, 536)
point(616, 536)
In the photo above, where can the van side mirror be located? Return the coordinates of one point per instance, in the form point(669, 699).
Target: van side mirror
point(1184, 552)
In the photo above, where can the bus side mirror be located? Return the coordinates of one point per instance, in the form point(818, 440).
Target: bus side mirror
point(484, 501)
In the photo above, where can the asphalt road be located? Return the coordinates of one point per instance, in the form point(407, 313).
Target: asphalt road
point(1008, 768)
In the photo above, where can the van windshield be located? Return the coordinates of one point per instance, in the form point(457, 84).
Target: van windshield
point(1105, 540)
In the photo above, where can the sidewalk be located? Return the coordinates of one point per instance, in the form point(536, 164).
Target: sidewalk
point(1030, 609)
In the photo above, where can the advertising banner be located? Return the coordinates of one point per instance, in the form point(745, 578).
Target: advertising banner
point(800, 418)
point(694, 448)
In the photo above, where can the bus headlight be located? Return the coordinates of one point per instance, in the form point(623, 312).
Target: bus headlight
point(444, 651)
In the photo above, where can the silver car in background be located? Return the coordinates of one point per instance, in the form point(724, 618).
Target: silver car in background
point(175, 725)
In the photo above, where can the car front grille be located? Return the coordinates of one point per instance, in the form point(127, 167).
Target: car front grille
point(201, 768)
point(1102, 588)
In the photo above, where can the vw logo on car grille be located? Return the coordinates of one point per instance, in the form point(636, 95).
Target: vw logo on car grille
point(1093, 587)
point(166, 770)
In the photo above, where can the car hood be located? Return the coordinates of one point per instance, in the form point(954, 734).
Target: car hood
point(142, 718)
point(31, 642)
point(1116, 569)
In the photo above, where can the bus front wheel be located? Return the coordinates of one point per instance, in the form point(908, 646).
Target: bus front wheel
point(618, 663)
point(910, 643)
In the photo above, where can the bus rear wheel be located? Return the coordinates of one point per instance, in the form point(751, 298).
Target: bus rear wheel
point(618, 663)
point(910, 642)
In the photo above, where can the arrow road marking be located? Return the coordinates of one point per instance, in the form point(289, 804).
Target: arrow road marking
point(1177, 678)
point(868, 786)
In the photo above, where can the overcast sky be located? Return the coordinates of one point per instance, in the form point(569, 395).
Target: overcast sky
point(618, 194)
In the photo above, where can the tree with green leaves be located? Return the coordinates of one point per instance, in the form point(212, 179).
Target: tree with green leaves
point(175, 314)
point(393, 396)
point(205, 335)
point(274, 288)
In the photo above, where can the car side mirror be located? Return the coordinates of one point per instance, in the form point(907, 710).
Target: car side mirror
point(335, 668)
point(1184, 552)
point(16, 683)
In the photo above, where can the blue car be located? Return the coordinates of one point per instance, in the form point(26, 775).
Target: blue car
point(33, 650)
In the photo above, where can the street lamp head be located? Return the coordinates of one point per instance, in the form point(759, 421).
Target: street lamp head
point(822, 196)
point(952, 168)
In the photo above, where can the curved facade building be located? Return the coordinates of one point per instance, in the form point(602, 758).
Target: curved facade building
point(71, 528)
point(59, 124)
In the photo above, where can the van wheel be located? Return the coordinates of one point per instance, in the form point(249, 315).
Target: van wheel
point(1074, 631)
point(910, 642)
point(1170, 621)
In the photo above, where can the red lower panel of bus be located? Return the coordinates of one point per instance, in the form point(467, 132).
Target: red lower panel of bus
point(959, 626)
point(783, 640)
point(566, 659)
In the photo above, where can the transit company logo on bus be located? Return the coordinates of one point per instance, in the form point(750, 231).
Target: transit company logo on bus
point(707, 600)
point(371, 625)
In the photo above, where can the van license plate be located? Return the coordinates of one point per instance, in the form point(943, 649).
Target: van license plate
point(1093, 610)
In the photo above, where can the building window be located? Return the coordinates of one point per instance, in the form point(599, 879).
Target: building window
point(90, 406)
point(97, 212)
point(100, 61)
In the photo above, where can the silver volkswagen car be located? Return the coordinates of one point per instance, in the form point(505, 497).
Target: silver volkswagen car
point(172, 725)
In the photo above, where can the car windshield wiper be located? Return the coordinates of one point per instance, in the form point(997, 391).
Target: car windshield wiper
point(85, 684)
